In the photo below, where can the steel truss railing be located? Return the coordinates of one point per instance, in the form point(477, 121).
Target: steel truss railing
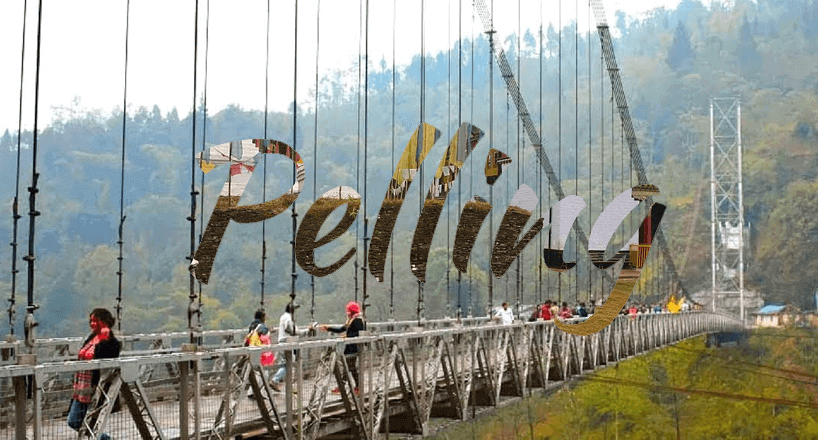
point(404, 376)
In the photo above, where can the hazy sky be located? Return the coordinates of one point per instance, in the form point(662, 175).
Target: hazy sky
point(83, 47)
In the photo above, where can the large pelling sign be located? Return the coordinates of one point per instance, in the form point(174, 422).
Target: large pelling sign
point(242, 157)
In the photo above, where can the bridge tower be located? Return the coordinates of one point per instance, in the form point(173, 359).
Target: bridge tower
point(726, 205)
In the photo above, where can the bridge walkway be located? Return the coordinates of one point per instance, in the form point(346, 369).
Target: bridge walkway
point(409, 374)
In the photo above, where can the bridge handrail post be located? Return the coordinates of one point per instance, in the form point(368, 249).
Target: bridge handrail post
point(288, 388)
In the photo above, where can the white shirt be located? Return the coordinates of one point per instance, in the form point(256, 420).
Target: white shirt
point(285, 326)
point(506, 315)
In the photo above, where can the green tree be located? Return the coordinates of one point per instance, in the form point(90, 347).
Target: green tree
point(786, 251)
point(5, 142)
point(748, 56)
point(680, 57)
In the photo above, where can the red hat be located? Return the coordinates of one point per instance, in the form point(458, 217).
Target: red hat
point(353, 307)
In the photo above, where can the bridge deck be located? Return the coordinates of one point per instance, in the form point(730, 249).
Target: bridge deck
point(443, 369)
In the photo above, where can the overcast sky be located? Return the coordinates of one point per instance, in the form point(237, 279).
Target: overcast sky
point(83, 47)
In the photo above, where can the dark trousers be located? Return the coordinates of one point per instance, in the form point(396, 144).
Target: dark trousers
point(352, 363)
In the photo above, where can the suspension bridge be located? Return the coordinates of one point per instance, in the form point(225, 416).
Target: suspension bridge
point(415, 375)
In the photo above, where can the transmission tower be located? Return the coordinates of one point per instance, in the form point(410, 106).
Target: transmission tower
point(726, 204)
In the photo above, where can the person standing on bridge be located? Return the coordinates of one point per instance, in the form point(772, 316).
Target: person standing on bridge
point(286, 327)
point(545, 312)
point(353, 326)
point(506, 315)
point(101, 344)
point(565, 312)
point(581, 312)
point(555, 309)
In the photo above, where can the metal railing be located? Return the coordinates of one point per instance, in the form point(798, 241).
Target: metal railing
point(405, 372)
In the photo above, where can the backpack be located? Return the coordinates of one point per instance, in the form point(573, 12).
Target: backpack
point(253, 339)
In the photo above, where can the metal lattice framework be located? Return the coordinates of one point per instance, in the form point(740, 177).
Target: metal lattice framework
point(624, 114)
point(726, 204)
point(408, 376)
point(627, 124)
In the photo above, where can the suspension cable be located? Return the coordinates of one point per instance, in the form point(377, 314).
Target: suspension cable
point(576, 135)
point(471, 156)
point(30, 322)
point(613, 151)
point(602, 151)
point(448, 130)
point(12, 311)
point(204, 138)
point(358, 146)
point(420, 305)
point(295, 145)
point(264, 183)
point(365, 297)
point(520, 162)
point(459, 122)
point(491, 146)
point(122, 169)
point(590, 171)
point(508, 109)
point(622, 172)
point(315, 134)
point(392, 248)
point(539, 175)
point(193, 307)
point(559, 134)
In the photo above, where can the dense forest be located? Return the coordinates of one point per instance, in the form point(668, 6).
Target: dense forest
point(672, 62)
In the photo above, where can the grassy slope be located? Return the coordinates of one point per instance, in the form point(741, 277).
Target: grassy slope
point(647, 408)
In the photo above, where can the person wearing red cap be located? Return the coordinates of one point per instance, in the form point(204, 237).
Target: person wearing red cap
point(353, 326)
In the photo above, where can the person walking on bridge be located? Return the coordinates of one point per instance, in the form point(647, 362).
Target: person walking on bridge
point(353, 327)
point(259, 335)
point(101, 344)
point(286, 327)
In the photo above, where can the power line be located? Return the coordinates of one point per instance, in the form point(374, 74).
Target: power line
point(694, 391)
point(783, 370)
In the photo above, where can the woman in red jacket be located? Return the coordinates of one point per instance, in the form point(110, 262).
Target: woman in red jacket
point(101, 344)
